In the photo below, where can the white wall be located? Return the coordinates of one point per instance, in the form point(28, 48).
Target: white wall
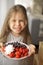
point(10, 3)
point(2, 11)
point(0, 14)
point(26, 3)
point(4, 7)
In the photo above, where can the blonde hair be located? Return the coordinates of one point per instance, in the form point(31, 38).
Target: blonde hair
point(5, 30)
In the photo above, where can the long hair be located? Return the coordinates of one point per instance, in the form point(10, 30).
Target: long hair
point(5, 29)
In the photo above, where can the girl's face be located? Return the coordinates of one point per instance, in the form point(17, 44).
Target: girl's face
point(17, 23)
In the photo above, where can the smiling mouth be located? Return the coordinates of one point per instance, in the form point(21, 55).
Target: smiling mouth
point(17, 28)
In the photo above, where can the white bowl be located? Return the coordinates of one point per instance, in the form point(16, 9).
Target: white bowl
point(27, 60)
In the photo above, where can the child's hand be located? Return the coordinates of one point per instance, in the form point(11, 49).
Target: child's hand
point(1, 45)
point(32, 49)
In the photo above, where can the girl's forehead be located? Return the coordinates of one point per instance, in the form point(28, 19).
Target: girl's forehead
point(17, 15)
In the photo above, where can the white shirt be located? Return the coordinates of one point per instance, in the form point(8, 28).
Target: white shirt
point(11, 37)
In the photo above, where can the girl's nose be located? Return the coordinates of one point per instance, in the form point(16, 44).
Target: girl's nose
point(17, 23)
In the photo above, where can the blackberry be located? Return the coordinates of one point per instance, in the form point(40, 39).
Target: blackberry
point(23, 46)
point(16, 44)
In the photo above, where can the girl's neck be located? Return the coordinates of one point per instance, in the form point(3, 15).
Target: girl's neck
point(17, 35)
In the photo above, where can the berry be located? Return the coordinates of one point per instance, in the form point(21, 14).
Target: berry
point(17, 53)
point(23, 51)
point(17, 49)
point(11, 55)
point(26, 54)
point(20, 50)
point(16, 44)
point(23, 46)
point(26, 50)
point(22, 55)
point(17, 56)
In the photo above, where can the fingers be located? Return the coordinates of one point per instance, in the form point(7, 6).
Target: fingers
point(31, 49)
point(32, 46)
point(1, 45)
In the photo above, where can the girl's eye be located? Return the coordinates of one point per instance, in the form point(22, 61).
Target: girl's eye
point(21, 20)
point(14, 21)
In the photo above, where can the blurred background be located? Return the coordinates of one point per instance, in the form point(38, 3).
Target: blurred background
point(35, 15)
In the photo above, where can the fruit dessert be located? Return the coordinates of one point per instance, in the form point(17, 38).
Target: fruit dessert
point(15, 50)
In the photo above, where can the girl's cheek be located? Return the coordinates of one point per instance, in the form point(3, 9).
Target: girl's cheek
point(24, 24)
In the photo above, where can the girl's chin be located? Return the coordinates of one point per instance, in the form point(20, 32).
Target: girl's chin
point(17, 32)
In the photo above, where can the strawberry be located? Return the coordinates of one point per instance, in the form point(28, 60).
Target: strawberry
point(17, 56)
point(23, 51)
point(17, 53)
point(11, 55)
point(26, 54)
point(22, 55)
point(26, 50)
point(20, 50)
point(17, 49)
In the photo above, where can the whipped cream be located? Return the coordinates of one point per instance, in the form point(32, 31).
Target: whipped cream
point(9, 49)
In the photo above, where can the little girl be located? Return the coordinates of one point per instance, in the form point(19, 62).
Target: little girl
point(15, 28)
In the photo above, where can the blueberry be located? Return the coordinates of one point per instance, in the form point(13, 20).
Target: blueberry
point(16, 44)
point(23, 46)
